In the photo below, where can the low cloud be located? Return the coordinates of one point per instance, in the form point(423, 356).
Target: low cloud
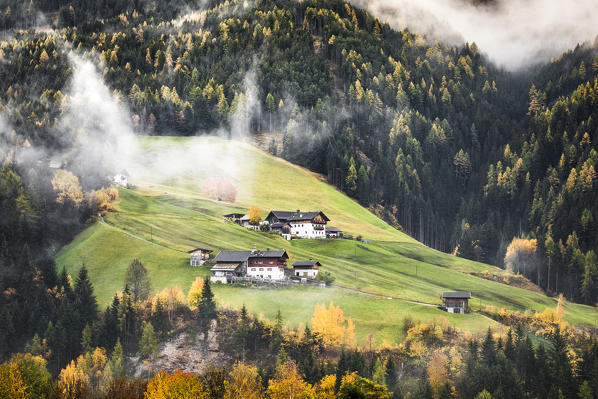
point(4, 137)
point(95, 126)
point(515, 34)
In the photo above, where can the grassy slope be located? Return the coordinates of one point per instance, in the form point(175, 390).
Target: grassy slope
point(175, 218)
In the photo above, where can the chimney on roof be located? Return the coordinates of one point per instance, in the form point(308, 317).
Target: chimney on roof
point(298, 210)
point(254, 250)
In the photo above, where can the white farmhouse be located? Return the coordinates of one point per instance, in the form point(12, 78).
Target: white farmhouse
point(300, 224)
point(264, 265)
point(121, 180)
point(268, 265)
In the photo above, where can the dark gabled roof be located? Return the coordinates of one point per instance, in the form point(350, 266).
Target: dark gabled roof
point(232, 256)
point(200, 249)
point(234, 215)
point(242, 256)
point(459, 294)
point(307, 263)
point(297, 215)
point(269, 254)
point(333, 229)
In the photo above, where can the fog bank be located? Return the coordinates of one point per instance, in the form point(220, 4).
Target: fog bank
point(513, 33)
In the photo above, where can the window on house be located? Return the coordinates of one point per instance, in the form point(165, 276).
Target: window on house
point(269, 269)
point(261, 269)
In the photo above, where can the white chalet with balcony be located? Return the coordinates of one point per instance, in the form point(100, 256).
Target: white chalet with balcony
point(300, 224)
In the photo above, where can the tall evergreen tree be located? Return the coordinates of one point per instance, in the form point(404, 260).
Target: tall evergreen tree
point(138, 281)
point(85, 303)
point(561, 366)
point(206, 308)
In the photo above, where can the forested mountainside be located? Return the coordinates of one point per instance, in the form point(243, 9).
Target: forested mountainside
point(434, 139)
point(544, 184)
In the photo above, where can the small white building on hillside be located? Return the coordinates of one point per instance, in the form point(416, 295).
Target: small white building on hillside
point(199, 256)
point(121, 180)
point(306, 269)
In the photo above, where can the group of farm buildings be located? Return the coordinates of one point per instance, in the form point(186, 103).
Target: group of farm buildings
point(270, 265)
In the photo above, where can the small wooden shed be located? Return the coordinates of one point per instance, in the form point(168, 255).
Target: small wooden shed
point(199, 256)
point(307, 269)
point(456, 302)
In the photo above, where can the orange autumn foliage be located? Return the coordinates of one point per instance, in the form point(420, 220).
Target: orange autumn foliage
point(219, 189)
point(437, 371)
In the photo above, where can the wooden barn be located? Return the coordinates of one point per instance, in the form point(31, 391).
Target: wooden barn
point(456, 302)
point(199, 256)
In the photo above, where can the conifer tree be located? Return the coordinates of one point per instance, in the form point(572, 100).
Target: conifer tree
point(138, 281)
point(148, 344)
point(109, 332)
point(561, 367)
point(85, 302)
point(206, 308)
point(276, 339)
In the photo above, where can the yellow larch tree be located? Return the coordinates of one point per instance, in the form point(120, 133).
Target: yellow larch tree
point(255, 216)
point(179, 385)
point(11, 382)
point(171, 298)
point(194, 295)
point(67, 188)
point(288, 384)
point(243, 382)
point(72, 382)
point(329, 323)
point(521, 254)
point(437, 371)
point(325, 388)
point(350, 340)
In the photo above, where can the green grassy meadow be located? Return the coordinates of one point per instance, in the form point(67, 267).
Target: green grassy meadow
point(166, 216)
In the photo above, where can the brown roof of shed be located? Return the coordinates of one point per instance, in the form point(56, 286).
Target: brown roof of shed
point(458, 294)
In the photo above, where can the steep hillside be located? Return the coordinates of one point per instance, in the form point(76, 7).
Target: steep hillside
point(166, 216)
point(392, 119)
point(545, 184)
point(414, 129)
